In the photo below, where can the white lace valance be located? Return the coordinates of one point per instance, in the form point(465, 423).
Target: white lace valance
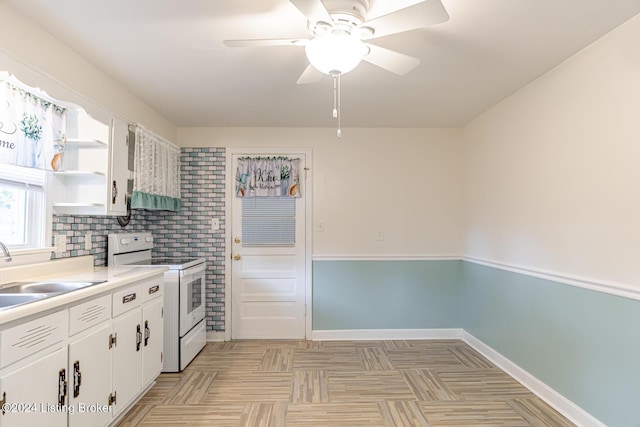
point(268, 176)
point(156, 183)
point(32, 129)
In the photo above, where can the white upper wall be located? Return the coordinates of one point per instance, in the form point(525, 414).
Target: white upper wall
point(551, 175)
point(35, 57)
point(404, 182)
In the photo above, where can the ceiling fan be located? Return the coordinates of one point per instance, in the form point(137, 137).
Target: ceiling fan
point(340, 30)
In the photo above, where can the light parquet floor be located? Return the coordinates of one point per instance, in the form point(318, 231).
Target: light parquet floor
point(439, 383)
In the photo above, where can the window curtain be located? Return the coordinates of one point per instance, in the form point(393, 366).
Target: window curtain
point(32, 129)
point(156, 183)
point(268, 176)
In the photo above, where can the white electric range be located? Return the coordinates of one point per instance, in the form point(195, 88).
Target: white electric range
point(184, 296)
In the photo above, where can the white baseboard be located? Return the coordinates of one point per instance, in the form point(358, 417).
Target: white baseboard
point(560, 403)
point(213, 336)
point(386, 334)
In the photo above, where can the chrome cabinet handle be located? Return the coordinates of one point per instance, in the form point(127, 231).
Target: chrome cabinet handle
point(138, 338)
point(147, 333)
point(114, 192)
point(62, 387)
point(77, 378)
point(128, 298)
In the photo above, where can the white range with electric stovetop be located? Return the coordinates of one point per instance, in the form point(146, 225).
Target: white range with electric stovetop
point(184, 296)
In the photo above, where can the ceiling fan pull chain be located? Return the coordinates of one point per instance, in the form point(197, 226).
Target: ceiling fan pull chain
point(339, 133)
point(335, 109)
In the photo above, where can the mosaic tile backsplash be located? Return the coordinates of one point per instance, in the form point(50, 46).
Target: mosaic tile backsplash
point(186, 233)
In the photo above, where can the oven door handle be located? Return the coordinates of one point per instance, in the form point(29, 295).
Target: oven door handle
point(193, 270)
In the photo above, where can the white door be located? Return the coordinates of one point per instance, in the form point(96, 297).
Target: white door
point(89, 379)
point(33, 392)
point(268, 288)
point(118, 167)
point(127, 358)
point(152, 340)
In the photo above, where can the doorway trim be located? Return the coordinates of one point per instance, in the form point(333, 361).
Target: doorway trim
point(308, 232)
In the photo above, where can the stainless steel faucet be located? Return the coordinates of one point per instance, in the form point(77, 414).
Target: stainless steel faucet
point(7, 255)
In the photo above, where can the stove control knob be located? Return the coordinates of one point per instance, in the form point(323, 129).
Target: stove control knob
point(125, 241)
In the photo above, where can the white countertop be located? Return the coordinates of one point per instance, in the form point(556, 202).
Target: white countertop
point(72, 270)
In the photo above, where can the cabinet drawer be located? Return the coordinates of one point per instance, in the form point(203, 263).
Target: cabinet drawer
point(152, 289)
point(126, 299)
point(88, 314)
point(23, 340)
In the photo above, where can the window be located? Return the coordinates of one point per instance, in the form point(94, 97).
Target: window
point(269, 221)
point(22, 207)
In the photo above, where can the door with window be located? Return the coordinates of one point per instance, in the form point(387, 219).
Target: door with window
point(268, 251)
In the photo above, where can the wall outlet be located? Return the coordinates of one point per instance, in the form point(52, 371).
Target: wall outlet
point(87, 241)
point(215, 224)
point(60, 243)
point(379, 235)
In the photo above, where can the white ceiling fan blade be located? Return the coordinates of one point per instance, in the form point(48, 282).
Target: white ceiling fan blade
point(423, 14)
point(265, 42)
point(314, 10)
point(390, 60)
point(309, 75)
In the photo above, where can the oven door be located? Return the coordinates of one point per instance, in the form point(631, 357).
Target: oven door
point(192, 297)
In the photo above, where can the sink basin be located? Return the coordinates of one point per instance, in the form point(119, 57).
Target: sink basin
point(12, 300)
point(47, 287)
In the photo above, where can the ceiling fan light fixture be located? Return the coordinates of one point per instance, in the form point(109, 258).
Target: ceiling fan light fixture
point(335, 53)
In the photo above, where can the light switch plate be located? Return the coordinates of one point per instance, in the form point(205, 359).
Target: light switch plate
point(215, 224)
point(87, 241)
point(60, 243)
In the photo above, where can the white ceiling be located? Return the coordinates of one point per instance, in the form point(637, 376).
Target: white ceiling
point(170, 54)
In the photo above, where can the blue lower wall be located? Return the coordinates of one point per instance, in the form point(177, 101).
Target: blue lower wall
point(385, 295)
point(584, 344)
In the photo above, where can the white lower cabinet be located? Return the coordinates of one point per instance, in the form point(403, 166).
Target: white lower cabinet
point(88, 362)
point(32, 394)
point(137, 356)
point(127, 359)
point(90, 378)
point(153, 338)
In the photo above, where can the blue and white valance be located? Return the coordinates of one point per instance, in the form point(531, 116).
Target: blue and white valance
point(32, 129)
point(268, 176)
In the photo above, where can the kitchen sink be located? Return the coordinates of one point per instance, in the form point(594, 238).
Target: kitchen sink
point(48, 287)
point(19, 293)
point(12, 300)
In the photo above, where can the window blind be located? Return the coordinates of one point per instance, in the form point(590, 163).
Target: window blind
point(269, 221)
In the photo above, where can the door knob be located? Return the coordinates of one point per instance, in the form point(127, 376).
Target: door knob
point(237, 240)
point(236, 257)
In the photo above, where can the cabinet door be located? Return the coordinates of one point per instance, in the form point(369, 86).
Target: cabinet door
point(152, 340)
point(32, 393)
point(90, 378)
point(127, 358)
point(118, 167)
